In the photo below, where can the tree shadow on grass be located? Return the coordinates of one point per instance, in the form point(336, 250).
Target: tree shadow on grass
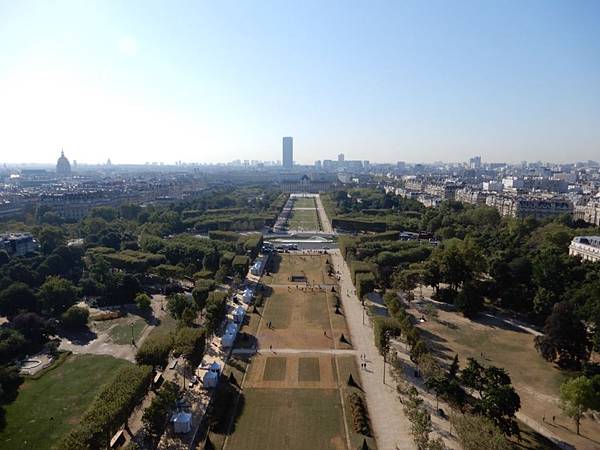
point(496, 322)
point(530, 440)
point(82, 336)
point(245, 340)
point(228, 406)
point(147, 315)
point(274, 263)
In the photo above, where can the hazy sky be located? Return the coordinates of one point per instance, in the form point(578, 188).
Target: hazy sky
point(201, 81)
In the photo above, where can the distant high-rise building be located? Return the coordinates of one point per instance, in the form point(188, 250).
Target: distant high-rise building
point(288, 152)
point(341, 157)
point(475, 162)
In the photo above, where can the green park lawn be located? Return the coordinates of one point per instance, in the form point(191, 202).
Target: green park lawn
point(275, 368)
point(47, 408)
point(304, 219)
point(305, 203)
point(294, 419)
point(492, 342)
point(282, 266)
point(308, 369)
point(119, 329)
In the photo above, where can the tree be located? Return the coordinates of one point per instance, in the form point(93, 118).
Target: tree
point(430, 311)
point(200, 295)
point(17, 297)
point(10, 380)
point(35, 328)
point(420, 422)
point(469, 300)
point(384, 329)
point(107, 213)
point(4, 258)
point(438, 385)
point(475, 432)
point(75, 317)
point(57, 295)
point(12, 343)
point(176, 305)
point(392, 302)
point(143, 301)
point(188, 316)
point(156, 414)
point(130, 211)
point(565, 338)
point(155, 350)
point(431, 274)
point(189, 342)
point(459, 261)
point(498, 399)
point(365, 283)
point(216, 308)
point(407, 280)
point(50, 238)
point(577, 396)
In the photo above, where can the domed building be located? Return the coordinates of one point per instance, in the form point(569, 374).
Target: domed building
point(62, 165)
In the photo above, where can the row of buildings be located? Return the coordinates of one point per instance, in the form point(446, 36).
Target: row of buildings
point(515, 191)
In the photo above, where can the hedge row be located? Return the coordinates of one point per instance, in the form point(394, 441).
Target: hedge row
point(129, 260)
point(241, 264)
point(358, 225)
point(228, 236)
point(365, 283)
point(360, 419)
point(251, 244)
point(357, 267)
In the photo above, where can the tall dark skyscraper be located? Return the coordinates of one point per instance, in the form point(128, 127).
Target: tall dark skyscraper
point(288, 152)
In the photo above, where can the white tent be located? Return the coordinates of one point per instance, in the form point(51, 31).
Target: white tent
point(211, 377)
point(238, 314)
point(230, 333)
point(248, 296)
point(182, 422)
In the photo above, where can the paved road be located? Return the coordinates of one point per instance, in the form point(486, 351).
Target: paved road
point(390, 425)
point(325, 223)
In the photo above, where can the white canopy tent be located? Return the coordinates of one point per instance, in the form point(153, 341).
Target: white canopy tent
point(211, 377)
point(238, 314)
point(230, 333)
point(247, 297)
point(182, 422)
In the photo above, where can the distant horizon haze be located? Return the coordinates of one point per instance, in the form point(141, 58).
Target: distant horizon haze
point(195, 81)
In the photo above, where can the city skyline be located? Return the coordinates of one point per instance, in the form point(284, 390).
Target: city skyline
point(214, 83)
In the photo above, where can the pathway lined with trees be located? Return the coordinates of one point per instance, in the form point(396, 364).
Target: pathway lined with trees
point(390, 425)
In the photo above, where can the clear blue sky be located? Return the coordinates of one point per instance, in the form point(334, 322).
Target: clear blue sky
point(200, 81)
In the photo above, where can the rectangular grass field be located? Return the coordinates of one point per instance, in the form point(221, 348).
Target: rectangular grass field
point(292, 419)
point(46, 409)
point(304, 220)
point(302, 202)
point(283, 266)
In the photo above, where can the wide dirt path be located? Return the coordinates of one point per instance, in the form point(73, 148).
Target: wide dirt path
point(325, 223)
point(390, 425)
